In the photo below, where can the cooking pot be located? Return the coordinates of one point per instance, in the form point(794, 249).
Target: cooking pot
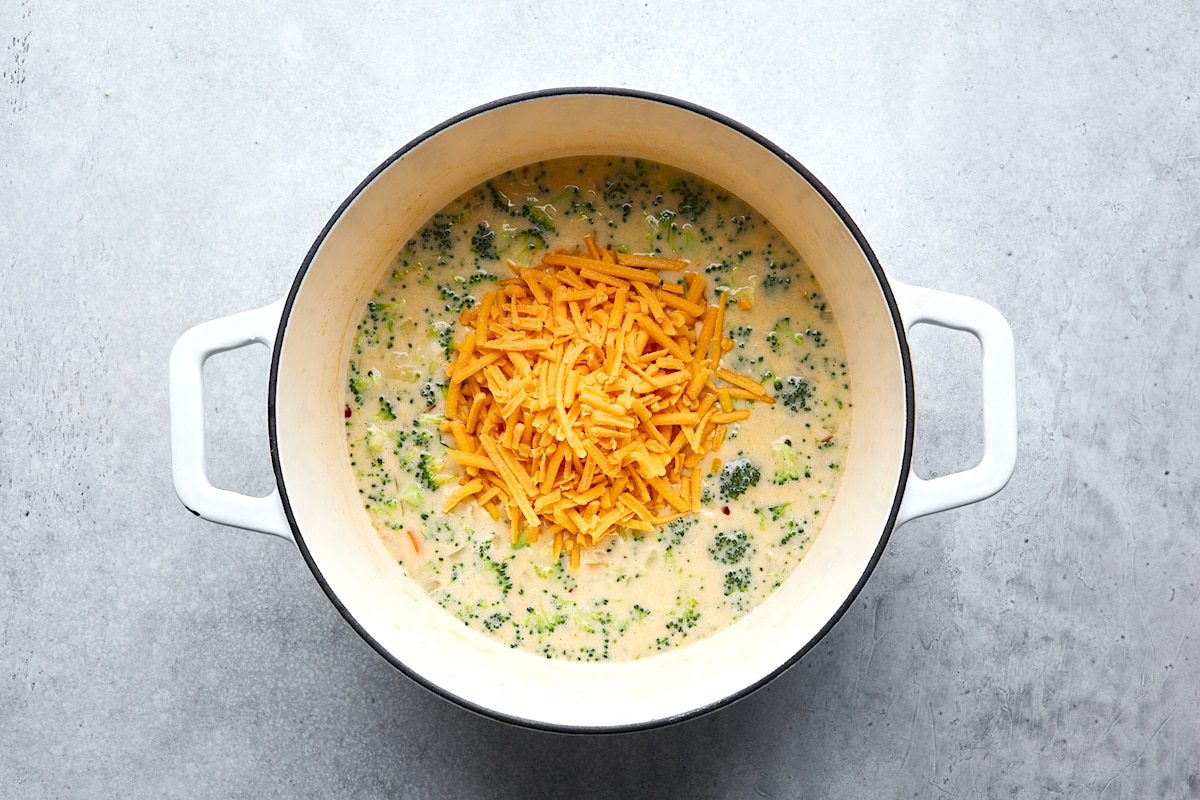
point(316, 502)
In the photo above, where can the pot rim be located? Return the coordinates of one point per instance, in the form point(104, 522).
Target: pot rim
point(906, 366)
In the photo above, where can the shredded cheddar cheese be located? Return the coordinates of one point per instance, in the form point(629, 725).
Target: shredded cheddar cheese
point(585, 397)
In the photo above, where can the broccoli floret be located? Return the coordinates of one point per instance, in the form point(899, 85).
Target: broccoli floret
point(678, 624)
point(429, 394)
point(617, 195)
point(538, 217)
point(778, 273)
point(428, 472)
point(791, 529)
point(499, 569)
point(794, 393)
point(483, 243)
point(787, 462)
point(385, 412)
point(422, 439)
point(496, 620)
point(674, 531)
point(770, 512)
point(741, 224)
point(737, 580)
point(455, 300)
point(436, 234)
point(360, 383)
point(581, 209)
point(444, 332)
point(781, 333)
point(383, 313)
point(685, 620)
point(677, 238)
point(741, 335)
point(526, 240)
point(589, 621)
point(738, 476)
point(731, 547)
point(376, 439)
point(500, 201)
point(541, 622)
point(692, 201)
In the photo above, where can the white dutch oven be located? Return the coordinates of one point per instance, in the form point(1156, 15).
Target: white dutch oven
point(316, 503)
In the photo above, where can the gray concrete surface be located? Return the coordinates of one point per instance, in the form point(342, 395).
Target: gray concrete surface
point(162, 164)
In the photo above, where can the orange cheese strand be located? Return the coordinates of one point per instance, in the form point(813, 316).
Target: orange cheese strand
point(584, 397)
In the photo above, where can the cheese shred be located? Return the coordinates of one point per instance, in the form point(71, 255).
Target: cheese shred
point(585, 397)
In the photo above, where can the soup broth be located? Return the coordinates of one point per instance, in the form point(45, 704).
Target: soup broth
point(764, 492)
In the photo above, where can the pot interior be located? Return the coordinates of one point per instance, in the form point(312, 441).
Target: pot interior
point(317, 482)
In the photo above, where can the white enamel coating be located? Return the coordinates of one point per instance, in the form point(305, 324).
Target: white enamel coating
point(929, 306)
point(262, 514)
point(317, 481)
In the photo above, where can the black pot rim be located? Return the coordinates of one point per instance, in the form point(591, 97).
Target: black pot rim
point(901, 338)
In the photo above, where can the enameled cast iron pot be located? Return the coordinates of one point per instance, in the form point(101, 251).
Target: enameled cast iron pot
point(316, 503)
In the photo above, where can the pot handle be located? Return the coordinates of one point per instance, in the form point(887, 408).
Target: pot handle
point(920, 305)
point(262, 514)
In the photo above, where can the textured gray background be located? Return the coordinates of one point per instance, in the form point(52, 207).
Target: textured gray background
point(162, 164)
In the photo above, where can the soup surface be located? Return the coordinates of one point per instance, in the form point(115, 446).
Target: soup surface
point(763, 494)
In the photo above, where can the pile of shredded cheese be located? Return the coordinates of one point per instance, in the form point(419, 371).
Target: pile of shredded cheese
point(587, 394)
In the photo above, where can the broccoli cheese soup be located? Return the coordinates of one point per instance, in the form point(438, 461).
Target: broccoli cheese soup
point(597, 408)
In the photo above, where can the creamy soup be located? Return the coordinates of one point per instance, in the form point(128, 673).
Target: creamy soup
point(761, 496)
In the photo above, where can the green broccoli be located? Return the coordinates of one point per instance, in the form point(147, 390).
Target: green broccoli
point(496, 620)
point(779, 273)
point(692, 201)
point(429, 393)
point(794, 393)
point(525, 241)
point(500, 201)
point(483, 243)
point(444, 332)
point(359, 382)
point(685, 620)
point(673, 533)
point(384, 313)
point(376, 439)
point(787, 462)
point(738, 476)
point(483, 548)
point(782, 332)
point(791, 529)
point(455, 300)
point(678, 624)
point(737, 580)
point(428, 472)
point(538, 216)
point(436, 234)
point(386, 412)
point(541, 622)
point(773, 512)
point(731, 547)
point(617, 195)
